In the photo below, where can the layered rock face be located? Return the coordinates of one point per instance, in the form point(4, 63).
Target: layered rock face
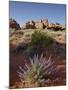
point(42, 24)
point(13, 24)
point(51, 26)
point(45, 23)
point(29, 24)
point(39, 24)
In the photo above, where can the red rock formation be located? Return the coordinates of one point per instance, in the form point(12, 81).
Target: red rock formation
point(56, 26)
point(51, 26)
point(30, 25)
point(13, 24)
point(42, 24)
point(39, 24)
point(45, 23)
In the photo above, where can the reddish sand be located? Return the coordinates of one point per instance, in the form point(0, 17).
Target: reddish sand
point(19, 59)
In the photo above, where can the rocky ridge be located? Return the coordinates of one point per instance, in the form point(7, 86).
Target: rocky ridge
point(38, 24)
point(13, 24)
point(42, 24)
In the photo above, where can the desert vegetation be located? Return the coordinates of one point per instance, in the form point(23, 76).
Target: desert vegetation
point(37, 54)
point(41, 39)
point(38, 73)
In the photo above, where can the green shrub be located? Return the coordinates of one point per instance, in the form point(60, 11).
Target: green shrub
point(41, 39)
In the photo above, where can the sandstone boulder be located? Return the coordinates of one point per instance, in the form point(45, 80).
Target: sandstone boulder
point(39, 24)
point(62, 27)
point(51, 26)
point(30, 25)
point(42, 24)
point(45, 23)
point(13, 24)
point(58, 26)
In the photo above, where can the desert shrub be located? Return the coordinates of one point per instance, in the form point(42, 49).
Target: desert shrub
point(19, 32)
point(37, 72)
point(41, 39)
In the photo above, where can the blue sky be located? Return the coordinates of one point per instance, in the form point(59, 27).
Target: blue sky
point(25, 11)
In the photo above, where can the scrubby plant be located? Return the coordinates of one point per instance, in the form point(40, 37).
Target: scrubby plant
point(41, 39)
point(19, 32)
point(37, 72)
